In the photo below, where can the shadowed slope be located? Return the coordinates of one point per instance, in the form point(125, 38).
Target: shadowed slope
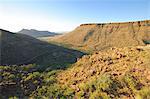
point(17, 49)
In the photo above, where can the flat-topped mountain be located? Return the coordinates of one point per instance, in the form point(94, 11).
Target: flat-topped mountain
point(36, 33)
point(99, 36)
point(17, 49)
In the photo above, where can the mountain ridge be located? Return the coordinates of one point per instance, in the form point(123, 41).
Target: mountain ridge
point(37, 33)
point(124, 22)
point(103, 36)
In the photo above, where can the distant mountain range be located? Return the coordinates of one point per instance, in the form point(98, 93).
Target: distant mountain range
point(36, 33)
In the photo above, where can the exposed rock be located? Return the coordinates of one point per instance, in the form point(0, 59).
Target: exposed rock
point(126, 69)
point(148, 77)
point(91, 37)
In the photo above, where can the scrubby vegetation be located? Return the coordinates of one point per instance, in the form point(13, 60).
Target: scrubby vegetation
point(22, 81)
point(116, 73)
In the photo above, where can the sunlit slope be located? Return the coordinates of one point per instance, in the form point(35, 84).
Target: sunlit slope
point(102, 36)
point(115, 73)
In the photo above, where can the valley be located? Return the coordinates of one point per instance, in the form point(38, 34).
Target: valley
point(104, 61)
point(20, 49)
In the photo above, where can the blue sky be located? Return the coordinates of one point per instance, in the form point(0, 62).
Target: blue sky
point(65, 15)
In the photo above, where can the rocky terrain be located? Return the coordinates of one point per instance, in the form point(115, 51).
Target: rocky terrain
point(18, 49)
point(117, 73)
point(36, 33)
point(118, 66)
point(91, 37)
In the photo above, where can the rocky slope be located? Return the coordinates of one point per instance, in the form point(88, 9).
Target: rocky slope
point(36, 33)
point(117, 73)
point(102, 36)
point(122, 73)
point(17, 49)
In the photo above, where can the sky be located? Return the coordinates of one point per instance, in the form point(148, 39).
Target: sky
point(66, 15)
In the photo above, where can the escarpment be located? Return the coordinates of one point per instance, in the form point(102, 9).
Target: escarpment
point(99, 36)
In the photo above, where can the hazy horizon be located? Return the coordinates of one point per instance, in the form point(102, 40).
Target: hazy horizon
point(65, 15)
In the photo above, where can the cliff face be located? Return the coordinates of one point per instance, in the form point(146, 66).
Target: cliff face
point(103, 36)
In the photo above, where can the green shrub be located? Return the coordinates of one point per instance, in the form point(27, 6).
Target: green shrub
point(130, 82)
point(144, 93)
point(99, 95)
point(32, 76)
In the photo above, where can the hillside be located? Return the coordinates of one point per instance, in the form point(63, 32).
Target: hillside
point(90, 37)
point(117, 73)
point(17, 49)
point(36, 33)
